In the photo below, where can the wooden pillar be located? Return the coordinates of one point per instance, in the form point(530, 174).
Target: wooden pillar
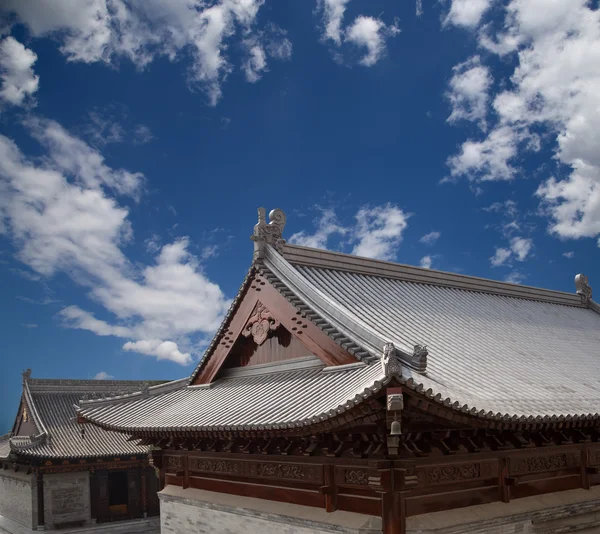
point(144, 491)
point(133, 493)
point(393, 507)
point(186, 471)
point(585, 471)
point(102, 504)
point(156, 457)
point(503, 480)
point(330, 488)
point(40, 500)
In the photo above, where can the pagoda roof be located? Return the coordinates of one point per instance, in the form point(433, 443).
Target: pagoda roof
point(494, 350)
point(50, 408)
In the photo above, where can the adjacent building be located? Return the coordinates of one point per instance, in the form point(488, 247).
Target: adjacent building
point(55, 473)
point(344, 394)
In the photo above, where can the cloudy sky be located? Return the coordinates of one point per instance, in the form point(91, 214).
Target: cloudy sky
point(138, 137)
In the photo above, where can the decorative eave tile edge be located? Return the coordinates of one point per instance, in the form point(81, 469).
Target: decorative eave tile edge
point(36, 453)
point(300, 423)
point(367, 393)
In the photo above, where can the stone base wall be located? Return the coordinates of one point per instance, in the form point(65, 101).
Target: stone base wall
point(67, 498)
point(554, 513)
point(194, 511)
point(16, 497)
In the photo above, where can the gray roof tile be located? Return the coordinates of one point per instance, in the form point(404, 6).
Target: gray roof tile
point(496, 350)
point(52, 403)
point(271, 399)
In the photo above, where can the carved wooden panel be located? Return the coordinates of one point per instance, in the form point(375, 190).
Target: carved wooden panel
point(280, 346)
point(453, 473)
point(268, 470)
point(540, 463)
point(172, 463)
point(593, 452)
point(353, 476)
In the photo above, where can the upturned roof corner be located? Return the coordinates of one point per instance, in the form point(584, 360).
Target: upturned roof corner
point(268, 233)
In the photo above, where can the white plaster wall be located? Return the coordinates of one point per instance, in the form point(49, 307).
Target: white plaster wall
point(16, 497)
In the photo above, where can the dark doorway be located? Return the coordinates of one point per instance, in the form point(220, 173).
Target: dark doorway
point(117, 490)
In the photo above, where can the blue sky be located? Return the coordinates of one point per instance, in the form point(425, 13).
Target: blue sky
point(138, 138)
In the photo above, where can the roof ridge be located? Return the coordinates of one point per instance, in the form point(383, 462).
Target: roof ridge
point(159, 389)
point(88, 382)
point(326, 259)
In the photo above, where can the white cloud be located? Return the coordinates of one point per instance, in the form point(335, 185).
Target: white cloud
point(430, 238)
point(419, 8)
point(327, 225)
point(333, 14)
point(507, 208)
point(570, 254)
point(142, 135)
point(468, 91)
point(61, 218)
point(103, 130)
point(103, 375)
point(370, 33)
point(163, 350)
point(489, 159)
point(467, 13)
point(75, 158)
point(500, 257)
point(379, 231)
point(426, 262)
point(19, 82)
point(107, 30)
point(256, 61)
point(75, 317)
point(365, 32)
point(520, 248)
point(515, 277)
point(29, 325)
point(552, 89)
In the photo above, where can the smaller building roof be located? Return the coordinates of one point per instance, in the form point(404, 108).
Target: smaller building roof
point(50, 407)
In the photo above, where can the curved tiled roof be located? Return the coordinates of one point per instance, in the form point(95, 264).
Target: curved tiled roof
point(51, 404)
point(497, 351)
point(278, 396)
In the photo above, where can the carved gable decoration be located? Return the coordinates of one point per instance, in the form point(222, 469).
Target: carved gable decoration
point(260, 324)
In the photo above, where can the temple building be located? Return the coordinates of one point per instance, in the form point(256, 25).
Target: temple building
point(344, 394)
point(53, 475)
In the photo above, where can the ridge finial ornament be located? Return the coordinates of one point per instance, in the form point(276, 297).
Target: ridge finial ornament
point(390, 362)
point(26, 375)
point(268, 233)
point(583, 288)
point(420, 353)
